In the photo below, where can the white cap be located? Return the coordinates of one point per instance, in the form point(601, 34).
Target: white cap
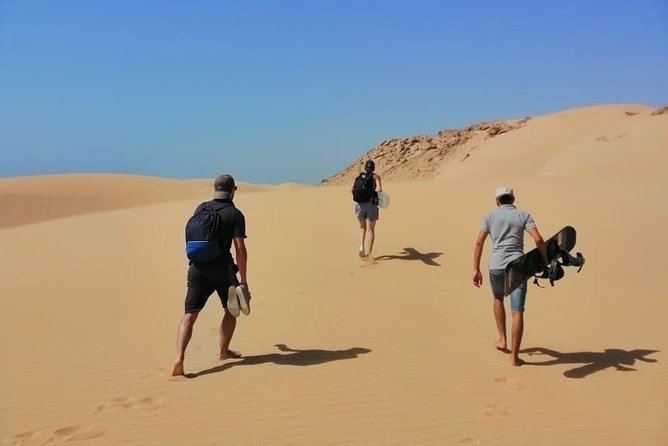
point(504, 190)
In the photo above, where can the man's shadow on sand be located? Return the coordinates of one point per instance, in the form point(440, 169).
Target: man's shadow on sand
point(592, 361)
point(413, 254)
point(292, 357)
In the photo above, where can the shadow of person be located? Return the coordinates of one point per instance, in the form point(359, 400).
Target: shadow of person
point(414, 254)
point(293, 357)
point(593, 362)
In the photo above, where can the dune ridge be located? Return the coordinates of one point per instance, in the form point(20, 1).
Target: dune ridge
point(425, 157)
point(32, 199)
point(419, 157)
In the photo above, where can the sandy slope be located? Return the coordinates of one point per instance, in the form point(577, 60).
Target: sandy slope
point(31, 199)
point(605, 142)
point(396, 351)
point(26, 200)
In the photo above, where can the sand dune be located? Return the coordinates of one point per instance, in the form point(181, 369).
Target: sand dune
point(623, 134)
point(420, 157)
point(32, 199)
point(607, 142)
point(343, 351)
point(246, 187)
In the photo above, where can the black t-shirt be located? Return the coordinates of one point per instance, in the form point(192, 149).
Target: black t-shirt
point(233, 224)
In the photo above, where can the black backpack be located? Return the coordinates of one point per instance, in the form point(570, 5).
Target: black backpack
point(202, 234)
point(363, 191)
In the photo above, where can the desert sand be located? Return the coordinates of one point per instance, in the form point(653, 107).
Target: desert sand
point(396, 350)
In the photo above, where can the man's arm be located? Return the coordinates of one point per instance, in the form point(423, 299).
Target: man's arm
point(379, 184)
point(241, 257)
point(540, 243)
point(477, 254)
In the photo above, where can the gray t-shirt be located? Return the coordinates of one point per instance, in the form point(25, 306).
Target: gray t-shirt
point(506, 225)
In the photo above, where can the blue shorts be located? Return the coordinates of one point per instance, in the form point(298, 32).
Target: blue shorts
point(517, 297)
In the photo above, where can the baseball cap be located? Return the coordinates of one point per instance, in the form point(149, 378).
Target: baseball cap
point(503, 190)
point(223, 186)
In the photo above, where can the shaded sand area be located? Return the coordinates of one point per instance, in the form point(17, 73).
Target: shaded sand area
point(337, 350)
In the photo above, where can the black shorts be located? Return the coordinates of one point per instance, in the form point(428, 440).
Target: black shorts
point(204, 279)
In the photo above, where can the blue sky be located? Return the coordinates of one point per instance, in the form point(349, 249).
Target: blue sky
point(285, 90)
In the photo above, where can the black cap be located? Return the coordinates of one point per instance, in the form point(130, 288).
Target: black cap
point(369, 166)
point(223, 186)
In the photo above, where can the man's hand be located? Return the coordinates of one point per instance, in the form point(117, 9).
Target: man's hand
point(477, 278)
point(477, 253)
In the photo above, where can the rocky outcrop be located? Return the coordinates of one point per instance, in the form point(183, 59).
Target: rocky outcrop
point(660, 111)
point(420, 157)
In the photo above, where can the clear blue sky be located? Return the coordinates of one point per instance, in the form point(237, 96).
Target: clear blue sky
point(293, 90)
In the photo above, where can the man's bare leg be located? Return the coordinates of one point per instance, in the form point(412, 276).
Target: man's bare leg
point(183, 336)
point(500, 317)
point(362, 237)
point(518, 330)
point(227, 327)
point(372, 236)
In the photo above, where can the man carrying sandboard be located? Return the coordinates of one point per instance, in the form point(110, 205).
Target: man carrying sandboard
point(506, 225)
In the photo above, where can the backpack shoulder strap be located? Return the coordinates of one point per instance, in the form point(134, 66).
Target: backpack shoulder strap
point(215, 206)
point(201, 207)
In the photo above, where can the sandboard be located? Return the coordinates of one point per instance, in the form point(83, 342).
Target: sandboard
point(383, 200)
point(522, 268)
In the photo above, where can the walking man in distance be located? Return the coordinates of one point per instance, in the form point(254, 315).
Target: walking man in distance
point(365, 194)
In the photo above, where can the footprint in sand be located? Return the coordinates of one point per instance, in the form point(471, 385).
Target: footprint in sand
point(468, 440)
point(510, 382)
point(159, 374)
point(27, 435)
point(154, 376)
point(370, 263)
point(19, 439)
point(494, 410)
point(75, 433)
point(609, 138)
point(129, 403)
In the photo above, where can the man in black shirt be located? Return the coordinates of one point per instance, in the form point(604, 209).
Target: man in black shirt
point(218, 275)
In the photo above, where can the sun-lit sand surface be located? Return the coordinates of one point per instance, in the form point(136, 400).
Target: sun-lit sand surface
point(337, 350)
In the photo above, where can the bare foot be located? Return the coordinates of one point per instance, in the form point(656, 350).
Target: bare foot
point(362, 254)
point(229, 355)
point(177, 370)
point(516, 362)
point(502, 346)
